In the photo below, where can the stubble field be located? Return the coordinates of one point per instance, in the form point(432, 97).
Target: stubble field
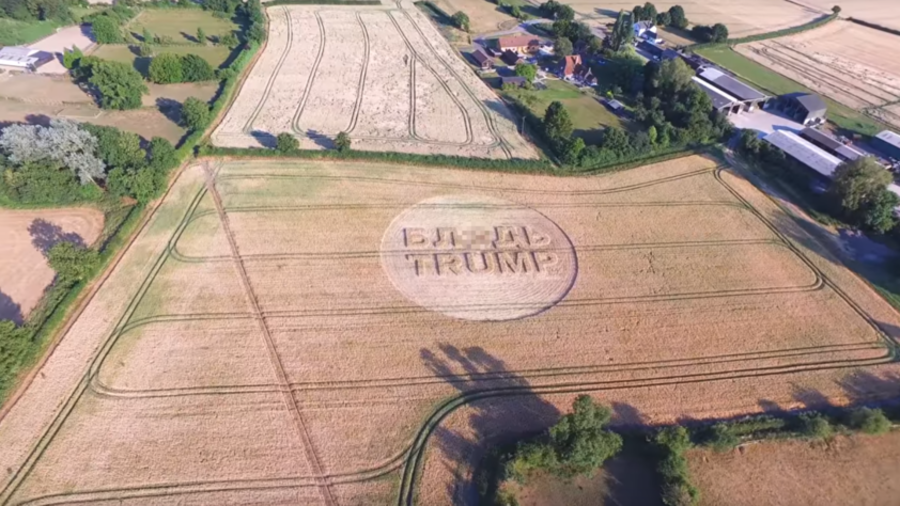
point(852, 64)
point(384, 75)
point(27, 237)
point(309, 333)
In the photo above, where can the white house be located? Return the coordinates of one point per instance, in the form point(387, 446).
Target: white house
point(23, 58)
point(645, 29)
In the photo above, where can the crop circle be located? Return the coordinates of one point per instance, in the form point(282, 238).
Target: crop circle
point(478, 258)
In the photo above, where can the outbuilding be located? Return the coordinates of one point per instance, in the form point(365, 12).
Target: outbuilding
point(888, 143)
point(748, 97)
point(515, 81)
point(522, 44)
point(24, 58)
point(482, 59)
point(805, 108)
point(830, 144)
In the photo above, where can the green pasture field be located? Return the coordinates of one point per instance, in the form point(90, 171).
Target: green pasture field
point(181, 24)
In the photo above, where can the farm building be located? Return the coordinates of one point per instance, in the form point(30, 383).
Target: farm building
point(830, 144)
point(805, 108)
point(657, 52)
point(645, 30)
point(748, 98)
point(510, 57)
point(481, 58)
point(522, 44)
point(573, 69)
point(23, 58)
point(888, 143)
point(515, 81)
point(615, 106)
point(722, 102)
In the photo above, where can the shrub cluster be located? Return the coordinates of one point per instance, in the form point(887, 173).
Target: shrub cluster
point(169, 68)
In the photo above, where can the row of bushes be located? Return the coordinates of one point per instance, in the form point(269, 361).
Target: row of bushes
point(769, 35)
point(874, 26)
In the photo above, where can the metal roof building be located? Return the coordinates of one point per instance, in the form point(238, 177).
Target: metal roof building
point(804, 152)
point(720, 99)
point(887, 142)
point(829, 143)
point(805, 108)
point(20, 56)
point(731, 85)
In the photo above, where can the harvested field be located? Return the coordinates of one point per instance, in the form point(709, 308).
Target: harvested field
point(879, 12)
point(742, 18)
point(271, 312)
point(384, 75)
point(852, 64)
point(847, 470)
point(484, 16)
point(27, 236)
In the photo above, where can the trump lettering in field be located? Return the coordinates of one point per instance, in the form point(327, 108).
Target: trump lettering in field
point(478, 258)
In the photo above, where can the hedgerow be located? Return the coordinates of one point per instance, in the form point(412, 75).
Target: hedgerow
point(769, 35)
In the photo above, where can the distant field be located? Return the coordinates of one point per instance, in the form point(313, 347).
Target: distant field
point(846, 470)
point(181, 24)
point(215, 55)
point(852, 64)
point(777, 84)
point(588, 115)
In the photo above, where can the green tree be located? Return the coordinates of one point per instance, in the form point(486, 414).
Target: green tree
point(637, 14)
point(573, 150)
point(461, 20)
point(120, 86)
point(663, 19)
point(166, 69)
point(869, 421)
point(195, 114)
point(201, 35)
point(650, 12)
point(652, 134)
point(565, 12)
point(145, 50)
point(229, 40)
point(526, 70)
point(147, 36)
point(516, 12)
point(256, 33)
point(106, 31)
point(562, 47)
point(342, 142)
point(557, 123)
point(548, 8)
point(286, 143)
point(72, 263)
point(677, 17)
point(815, 426)
point(162, 155)
point(836, 10)
point(72, 57)
point(622, 32)
point(195, 69)
point(117, 148)
point(580, 440)
point(719, 32)
point(858, 182)
point(878, 213)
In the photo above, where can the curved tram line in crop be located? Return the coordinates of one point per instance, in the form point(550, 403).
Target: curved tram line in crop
point(411, 458)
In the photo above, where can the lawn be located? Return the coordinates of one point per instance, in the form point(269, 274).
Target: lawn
point(181, 24)
point(215, 55)
point(14, 32)
point(776, 84)
point(588, 115)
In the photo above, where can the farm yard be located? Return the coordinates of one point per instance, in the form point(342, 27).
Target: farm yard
point(852, 64)
point(384, 75)
point(799, 473)
point(27, 236)
point(320, 319)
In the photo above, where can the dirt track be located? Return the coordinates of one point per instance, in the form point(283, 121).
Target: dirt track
point(250, 346)
point(27, 235)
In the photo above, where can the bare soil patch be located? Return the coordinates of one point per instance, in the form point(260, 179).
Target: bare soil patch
point(27, 236)
point(41, 89)
point(251, 342)
point(62, 40)
point(384, 75)
point(847, 470)
point(852, 64)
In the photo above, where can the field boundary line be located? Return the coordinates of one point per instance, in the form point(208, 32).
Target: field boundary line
point(311, 80)
point(284, 384)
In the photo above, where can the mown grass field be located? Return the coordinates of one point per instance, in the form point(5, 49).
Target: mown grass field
point(588, 115)
point(215, 55)
point(181, 24)
point(773, 82)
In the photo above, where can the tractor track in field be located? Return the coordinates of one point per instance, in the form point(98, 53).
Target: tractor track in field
point(310, 82)
point(361, 86)
point(248, 127)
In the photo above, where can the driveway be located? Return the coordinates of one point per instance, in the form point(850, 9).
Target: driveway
point(63, 39)
point(764, 121)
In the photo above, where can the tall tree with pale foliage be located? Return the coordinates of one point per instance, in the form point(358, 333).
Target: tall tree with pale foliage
point(62, 142)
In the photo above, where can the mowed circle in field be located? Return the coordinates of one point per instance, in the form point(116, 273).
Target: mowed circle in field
point(478, 258)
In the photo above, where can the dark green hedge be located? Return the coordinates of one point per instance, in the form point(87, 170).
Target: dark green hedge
point(874, 26)
point(770, 35)
point(322, 2)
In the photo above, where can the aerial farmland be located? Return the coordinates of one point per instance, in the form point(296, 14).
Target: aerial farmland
point(384, 75)
point(286, 330)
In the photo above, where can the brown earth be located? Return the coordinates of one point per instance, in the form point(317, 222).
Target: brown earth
point(251, 342)
point(27, 236)
point(846, 470)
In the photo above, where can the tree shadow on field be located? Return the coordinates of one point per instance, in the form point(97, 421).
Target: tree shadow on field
point(45, 235)
point(265, 139)
point(320, 139)
point(10, 310)
point(516, 412)
point(169, 108)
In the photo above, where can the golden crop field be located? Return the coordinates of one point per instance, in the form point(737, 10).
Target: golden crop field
point(354, 333)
